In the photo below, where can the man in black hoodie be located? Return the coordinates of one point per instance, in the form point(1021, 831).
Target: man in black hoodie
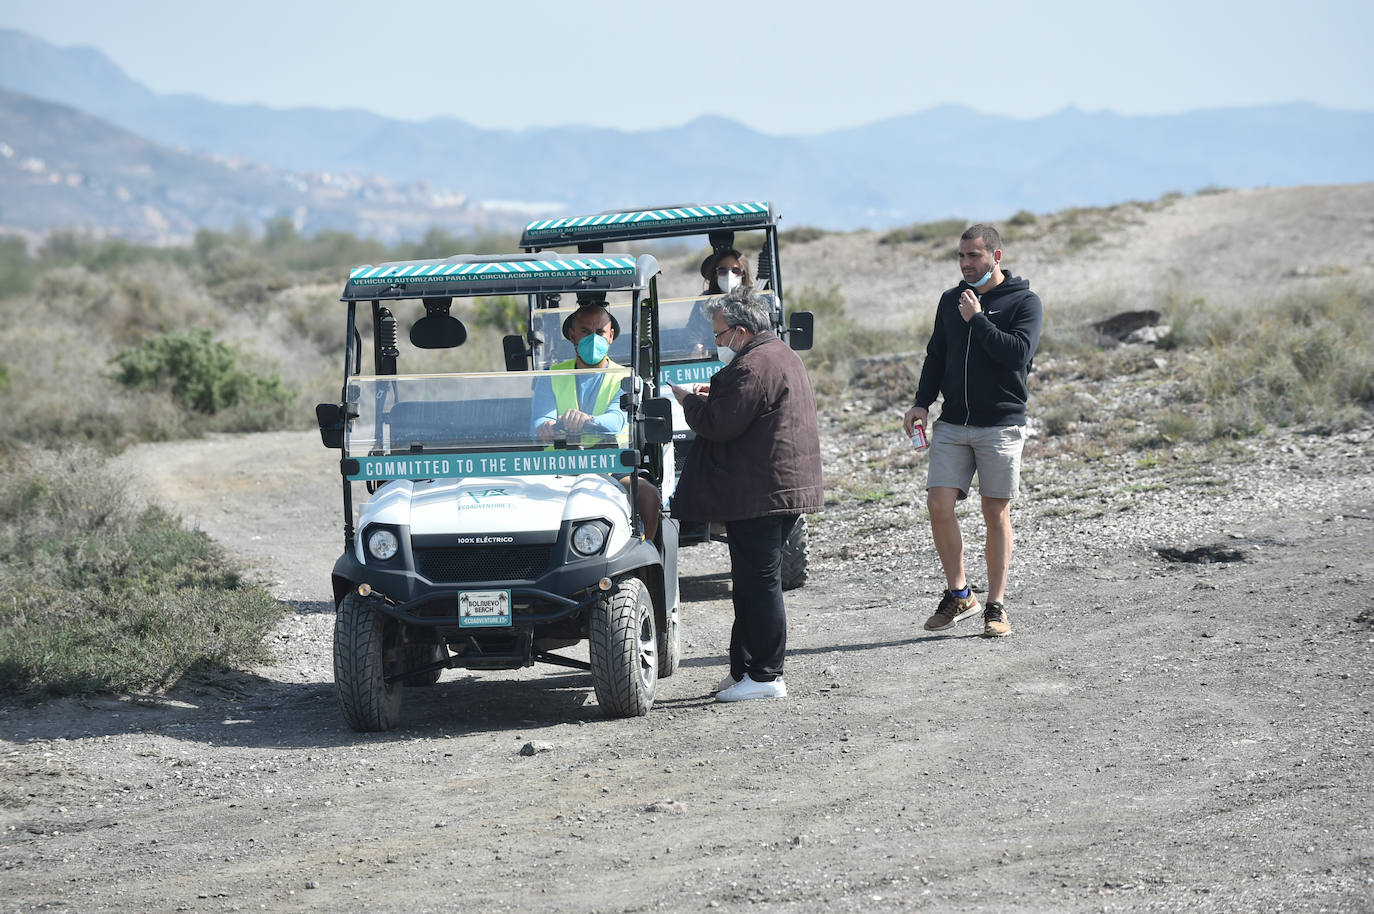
point(986, 331)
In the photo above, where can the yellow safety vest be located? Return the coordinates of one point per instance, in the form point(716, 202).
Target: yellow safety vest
point(565, 398)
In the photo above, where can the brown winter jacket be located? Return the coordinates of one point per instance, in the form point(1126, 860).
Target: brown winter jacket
point(758, 449)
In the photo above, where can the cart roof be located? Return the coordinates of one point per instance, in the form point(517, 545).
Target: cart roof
point(506, 274)
point(639, 224)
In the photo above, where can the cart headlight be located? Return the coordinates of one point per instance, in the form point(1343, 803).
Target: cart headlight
point(382, 544)
point(588, 537)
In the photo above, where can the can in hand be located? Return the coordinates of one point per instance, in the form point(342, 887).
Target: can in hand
point(918, 437)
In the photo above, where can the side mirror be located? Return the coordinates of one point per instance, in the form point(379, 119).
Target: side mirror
point(801, 330)
point(517, 356)
point(658, 420)
point(330, 417)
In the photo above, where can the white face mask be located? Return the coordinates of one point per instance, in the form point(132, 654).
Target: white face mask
point(725, 353)
point(729, 282)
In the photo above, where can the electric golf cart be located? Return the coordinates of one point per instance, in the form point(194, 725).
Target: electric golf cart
point(687, 344)
point(482, 541)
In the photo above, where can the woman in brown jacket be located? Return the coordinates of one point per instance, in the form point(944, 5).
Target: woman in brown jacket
point(756, 467)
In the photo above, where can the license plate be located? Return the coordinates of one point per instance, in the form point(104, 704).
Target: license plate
point(484, 609)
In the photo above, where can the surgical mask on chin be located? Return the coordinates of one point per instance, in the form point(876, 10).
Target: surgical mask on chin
point(592, 349)
point(982, 282)
point(729, 282)
point(725, 353)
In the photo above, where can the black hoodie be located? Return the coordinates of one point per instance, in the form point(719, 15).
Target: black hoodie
point(981, 366)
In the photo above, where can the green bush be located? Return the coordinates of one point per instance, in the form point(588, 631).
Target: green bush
point(16, 269)
point(505, 313)
point(69, 248)
point(943, 230)
point(108, 595)
point(1307, 359)
point(438, 244)
point(202, 373)
point(839, 341)
point(801, 235)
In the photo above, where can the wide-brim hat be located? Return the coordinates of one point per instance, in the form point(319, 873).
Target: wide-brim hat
point(591, 300)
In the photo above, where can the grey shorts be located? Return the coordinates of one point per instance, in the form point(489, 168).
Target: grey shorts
point(993, 452)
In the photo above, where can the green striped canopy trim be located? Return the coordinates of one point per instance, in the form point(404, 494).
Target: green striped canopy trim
point(443, 271)
point(716, 213)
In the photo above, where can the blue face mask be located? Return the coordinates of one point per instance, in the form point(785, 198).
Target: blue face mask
point(982, 282)
point(592, 349)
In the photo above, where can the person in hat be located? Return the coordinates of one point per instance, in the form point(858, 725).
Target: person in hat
point(585, 409)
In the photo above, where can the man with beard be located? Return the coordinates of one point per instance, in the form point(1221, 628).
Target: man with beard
point(986, 332)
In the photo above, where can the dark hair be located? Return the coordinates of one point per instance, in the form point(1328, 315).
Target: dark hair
point(708, 269)
point(992, 239)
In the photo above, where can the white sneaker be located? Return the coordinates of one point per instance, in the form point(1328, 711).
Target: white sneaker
point(725, 683)
point(747, 689)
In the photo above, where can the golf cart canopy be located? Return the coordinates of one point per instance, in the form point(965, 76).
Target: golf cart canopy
point(510, 274)
point(637, 225)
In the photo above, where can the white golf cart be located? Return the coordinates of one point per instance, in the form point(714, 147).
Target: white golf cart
point(482, 545)
point(687, 345)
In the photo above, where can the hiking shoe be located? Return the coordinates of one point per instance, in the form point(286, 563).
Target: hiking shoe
point(725, 683)
point(995, 623)
point(747, 689)
point(951, 610)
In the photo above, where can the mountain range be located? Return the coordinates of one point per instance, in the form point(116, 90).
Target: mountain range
point(209, 163)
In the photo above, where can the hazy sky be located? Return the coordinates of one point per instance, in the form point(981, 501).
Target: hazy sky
point(781, 67)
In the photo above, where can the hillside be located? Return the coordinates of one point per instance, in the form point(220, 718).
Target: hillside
point(1230, 248)
point(944, 162)
point(61, 168)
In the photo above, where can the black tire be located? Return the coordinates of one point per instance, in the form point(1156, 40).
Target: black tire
point(623, 645)
point(424, 655)
point(361, 638)
point(669, 646)
point(794, 556)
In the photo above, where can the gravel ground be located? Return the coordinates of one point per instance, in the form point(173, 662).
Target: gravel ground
point(1157, 734)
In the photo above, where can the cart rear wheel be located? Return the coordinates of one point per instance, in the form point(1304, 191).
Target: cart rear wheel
point(669, 646)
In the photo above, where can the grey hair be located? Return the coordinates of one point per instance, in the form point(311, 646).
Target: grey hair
point(741, 308)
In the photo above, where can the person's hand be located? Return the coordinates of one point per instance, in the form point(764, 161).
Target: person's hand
point(915, 416)
point(546, 430)
point(969, 305)
point(702, 390)
point(573, 420)
point(679, 393)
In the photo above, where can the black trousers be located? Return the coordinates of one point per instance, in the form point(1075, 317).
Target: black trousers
point(758, 639)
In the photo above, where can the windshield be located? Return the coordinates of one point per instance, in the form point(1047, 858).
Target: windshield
point(511, 423)
point(687, 342)
point(548, 323)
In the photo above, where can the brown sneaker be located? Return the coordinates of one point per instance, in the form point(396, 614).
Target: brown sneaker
point(995, 623)
point(951, 610)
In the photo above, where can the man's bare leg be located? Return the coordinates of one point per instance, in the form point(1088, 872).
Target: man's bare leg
point(944, 527)
point(997, 516)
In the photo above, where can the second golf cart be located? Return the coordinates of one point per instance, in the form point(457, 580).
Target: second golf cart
point(687, 345)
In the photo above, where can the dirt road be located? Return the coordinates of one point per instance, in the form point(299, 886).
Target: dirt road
point(1155, 735)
